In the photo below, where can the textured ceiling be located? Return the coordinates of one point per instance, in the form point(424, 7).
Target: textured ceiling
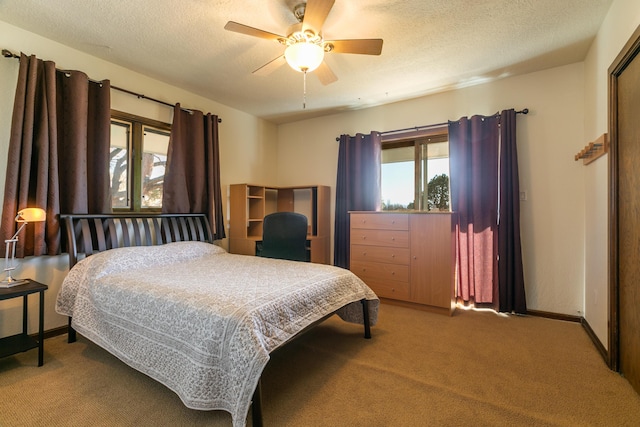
point(429, 45)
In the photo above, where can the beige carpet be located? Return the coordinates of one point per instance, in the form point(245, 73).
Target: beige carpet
point(420, 369)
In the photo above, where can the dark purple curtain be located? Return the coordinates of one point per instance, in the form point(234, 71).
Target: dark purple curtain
point(357, 186)
point(511, 278)
point(473, 145)
point(485, 200)
point(192, 174)
point(58, 152)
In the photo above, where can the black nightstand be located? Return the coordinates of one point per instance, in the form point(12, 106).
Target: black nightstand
point(23, 342)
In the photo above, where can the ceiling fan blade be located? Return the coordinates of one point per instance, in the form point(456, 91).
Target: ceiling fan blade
point(250, 31)
point(325, 75)
point(360, 46)
point(315, 14)
point(270, 66)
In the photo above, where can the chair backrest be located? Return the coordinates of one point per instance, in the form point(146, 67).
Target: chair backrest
point(284, 236)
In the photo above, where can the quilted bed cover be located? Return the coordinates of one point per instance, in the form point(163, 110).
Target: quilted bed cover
point(200, 320)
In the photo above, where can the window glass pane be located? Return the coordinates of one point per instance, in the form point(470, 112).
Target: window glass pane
point(154, 158)
point(398, 176)
point(436, 176)
point(119, 164)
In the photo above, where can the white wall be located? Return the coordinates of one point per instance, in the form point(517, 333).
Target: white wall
point(247, 145)
point(620, 23)
point(552, 218)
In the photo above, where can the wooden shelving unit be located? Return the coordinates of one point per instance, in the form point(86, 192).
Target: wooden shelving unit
point(250, 203)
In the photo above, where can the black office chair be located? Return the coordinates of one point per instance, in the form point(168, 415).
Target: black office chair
point(284, 236)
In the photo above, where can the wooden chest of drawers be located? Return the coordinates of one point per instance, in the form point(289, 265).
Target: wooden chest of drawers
point(405, 257)
point(380, 253)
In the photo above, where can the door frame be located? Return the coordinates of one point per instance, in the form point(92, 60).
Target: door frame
point(624, 58)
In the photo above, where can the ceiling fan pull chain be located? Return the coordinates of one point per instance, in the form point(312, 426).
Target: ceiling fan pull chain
point(304, 90)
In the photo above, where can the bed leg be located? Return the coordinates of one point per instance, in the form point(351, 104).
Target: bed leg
point(71, 333)
point(365, 314)
point(256, 406)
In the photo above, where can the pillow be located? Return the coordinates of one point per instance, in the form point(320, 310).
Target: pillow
point(132, 258)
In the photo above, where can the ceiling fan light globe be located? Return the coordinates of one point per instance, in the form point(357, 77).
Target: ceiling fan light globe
point(304, 56)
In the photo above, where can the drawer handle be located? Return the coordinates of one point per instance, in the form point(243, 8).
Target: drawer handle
point(364, 254)
point(393, 273)
point(393, 238)
point(393, 255)
point(364, 237)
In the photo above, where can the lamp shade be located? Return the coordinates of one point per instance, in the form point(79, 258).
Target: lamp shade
point(304, 56)
point(31, 215)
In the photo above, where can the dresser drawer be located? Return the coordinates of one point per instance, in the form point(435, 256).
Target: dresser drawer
point(386, 254)
point(381, 271)
point(382, 221)
point(398, 239)
point(389, 288)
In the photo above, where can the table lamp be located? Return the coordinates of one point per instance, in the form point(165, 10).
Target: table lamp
point(24, 217)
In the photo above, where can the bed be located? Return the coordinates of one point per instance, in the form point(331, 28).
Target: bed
point(157, 294)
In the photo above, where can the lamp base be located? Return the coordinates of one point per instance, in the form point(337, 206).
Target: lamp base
point(11, 282)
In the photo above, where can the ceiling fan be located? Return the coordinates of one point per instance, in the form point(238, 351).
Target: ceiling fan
point(305, 46)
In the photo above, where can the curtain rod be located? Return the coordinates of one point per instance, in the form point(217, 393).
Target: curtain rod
point(141, 96)
point(8, 54)
point(417, 128)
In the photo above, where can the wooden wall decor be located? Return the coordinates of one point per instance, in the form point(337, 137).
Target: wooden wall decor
point(595, 149)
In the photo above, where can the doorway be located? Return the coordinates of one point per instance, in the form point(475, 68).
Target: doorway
point(624, 224)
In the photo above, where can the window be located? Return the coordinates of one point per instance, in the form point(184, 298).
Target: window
point(415, 172)
point(137, 161)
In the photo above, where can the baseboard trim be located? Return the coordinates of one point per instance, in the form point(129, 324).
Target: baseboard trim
point(556, 316)
point(50, 333)
point(596, 341)
point(585, 325)
point(416, 306)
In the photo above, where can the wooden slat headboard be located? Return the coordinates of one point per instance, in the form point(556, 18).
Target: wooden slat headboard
point(88, 234)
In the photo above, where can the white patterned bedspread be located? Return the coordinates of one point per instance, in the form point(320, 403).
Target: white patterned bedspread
point(202, 321)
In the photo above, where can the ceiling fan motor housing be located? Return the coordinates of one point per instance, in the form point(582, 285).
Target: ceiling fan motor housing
point(298, 11)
